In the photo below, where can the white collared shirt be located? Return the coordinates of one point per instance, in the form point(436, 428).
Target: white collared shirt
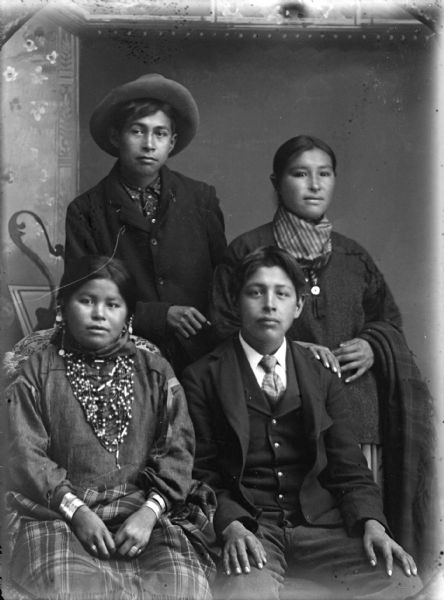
point(255, 357)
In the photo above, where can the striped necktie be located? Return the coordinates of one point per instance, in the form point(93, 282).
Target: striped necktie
point(272, 385)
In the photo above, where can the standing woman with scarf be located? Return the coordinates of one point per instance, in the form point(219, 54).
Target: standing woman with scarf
point(351, 323)
point(100, 457)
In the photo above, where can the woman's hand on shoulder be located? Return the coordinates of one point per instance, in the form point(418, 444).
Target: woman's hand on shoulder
point(134, 534)
point(355, 355)
point(325, 355)
point(93, 533)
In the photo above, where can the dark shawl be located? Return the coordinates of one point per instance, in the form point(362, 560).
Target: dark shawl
point(409, 442)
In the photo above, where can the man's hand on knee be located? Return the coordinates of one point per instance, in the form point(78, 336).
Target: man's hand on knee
point(376, 538)
point(241, 548)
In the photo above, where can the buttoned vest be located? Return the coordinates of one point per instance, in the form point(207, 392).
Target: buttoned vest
point(277, 459)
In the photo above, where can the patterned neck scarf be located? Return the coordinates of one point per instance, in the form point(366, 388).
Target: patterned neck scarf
point(147, 198)
point(307, 241)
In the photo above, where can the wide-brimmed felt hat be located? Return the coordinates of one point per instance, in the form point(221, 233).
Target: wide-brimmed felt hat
point(151, 86)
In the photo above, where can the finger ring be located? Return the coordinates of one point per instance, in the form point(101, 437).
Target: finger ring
point(93, 548)
point(134, 549)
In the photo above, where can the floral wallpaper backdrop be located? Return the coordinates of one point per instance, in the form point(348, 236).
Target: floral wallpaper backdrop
point(39, 71)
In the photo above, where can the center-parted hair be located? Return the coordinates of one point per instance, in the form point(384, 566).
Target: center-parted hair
point(267, 256)
point(294, 147)
point(84, 269)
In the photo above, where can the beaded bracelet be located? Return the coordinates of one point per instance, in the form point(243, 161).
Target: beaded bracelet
point(69, 504)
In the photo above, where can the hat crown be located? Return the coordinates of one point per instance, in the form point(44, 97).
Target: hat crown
point(151, 77)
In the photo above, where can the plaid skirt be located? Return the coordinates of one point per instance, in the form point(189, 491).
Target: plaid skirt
point(47, 561)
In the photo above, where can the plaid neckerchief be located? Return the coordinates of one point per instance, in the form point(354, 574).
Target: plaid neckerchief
point(147, 199)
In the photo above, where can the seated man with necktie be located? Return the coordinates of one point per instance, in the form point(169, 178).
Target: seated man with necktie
point(295, 496)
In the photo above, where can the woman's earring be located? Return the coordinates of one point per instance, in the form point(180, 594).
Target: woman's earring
point(61, 350)
point(59, 317)
point(60, 325)
point(130, 325)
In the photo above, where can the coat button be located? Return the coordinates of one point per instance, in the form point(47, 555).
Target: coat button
point(161, 281)
point(280, 474)
point(281, 496)
point(276, 444)
point(154, 242)
point(274, 421)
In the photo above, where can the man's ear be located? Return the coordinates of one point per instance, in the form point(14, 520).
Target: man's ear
point(172, 142)
point(234, 302)
point(299, 306)
point(114, 137)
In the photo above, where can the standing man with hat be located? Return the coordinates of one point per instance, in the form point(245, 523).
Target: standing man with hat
point(168, 228)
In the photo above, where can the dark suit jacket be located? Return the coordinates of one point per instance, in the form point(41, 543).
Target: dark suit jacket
point(337, 491)
point(171, 260)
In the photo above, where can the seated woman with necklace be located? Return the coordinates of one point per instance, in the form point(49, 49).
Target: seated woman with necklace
point(100, 456)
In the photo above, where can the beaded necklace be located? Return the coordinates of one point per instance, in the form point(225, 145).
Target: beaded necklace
point(106, 395)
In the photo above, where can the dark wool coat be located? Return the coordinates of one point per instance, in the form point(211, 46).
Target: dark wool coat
point(171, 260)
point(337, 491)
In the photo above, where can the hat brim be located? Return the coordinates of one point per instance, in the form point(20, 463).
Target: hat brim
point(155, 87)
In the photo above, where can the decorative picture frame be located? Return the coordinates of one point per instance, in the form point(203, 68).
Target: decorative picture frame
point(27, 300)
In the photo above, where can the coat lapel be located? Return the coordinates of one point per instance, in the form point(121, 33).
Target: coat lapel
point(291, 399)
point(129, 213)
point(168, 194)
point(227, 380)
point(119, 201)
point(316, 418)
